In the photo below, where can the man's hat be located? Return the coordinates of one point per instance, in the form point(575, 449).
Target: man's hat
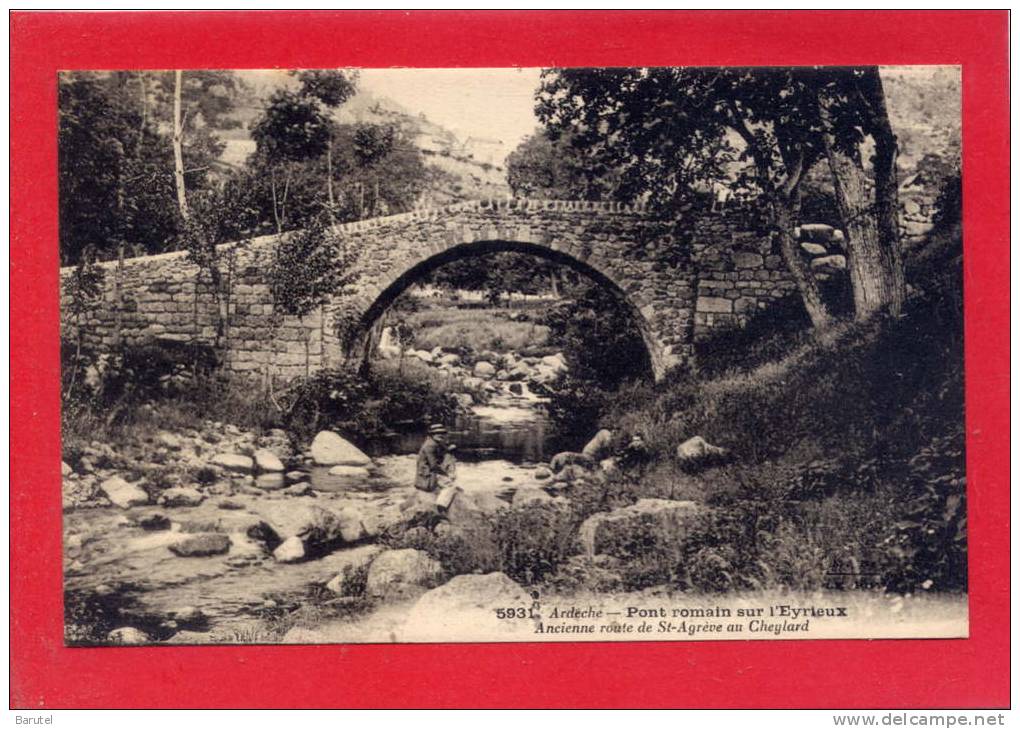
point(436, 429)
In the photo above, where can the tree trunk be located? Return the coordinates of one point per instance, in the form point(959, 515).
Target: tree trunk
point(276, 208)
point(887, 205)
point(329, 176)
point(784, 216)
point(182, 201)
point(871, 262)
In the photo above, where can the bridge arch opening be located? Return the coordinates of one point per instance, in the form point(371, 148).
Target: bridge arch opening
point(364, 337)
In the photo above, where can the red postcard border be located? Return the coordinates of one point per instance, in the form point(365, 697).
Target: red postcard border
point(810, 674)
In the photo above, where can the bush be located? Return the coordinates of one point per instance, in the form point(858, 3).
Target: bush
point(533, 540)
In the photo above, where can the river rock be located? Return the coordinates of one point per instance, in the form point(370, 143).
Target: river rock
point(181, 496)
point(516, 388)
point(233, 462)
point(569, 458)
point(570, 473)
point(484, 369)
point(153, 522)
point(542, 473)
point(123, 494)
point(349, 471)
point(556, 361)
point(329, 449)
point(292, 549)
point(268, 462)
point(202, 545)
point(697, 451)
point(599, 446)
point(463, 399)
point(127, 636)
point(168, 440)
point(401, 573)
point(448, 359)
point(669, 521)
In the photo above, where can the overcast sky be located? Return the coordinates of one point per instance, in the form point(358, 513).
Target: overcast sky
point(492, 103)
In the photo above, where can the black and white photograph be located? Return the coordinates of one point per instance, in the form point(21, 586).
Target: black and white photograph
point(511, 355)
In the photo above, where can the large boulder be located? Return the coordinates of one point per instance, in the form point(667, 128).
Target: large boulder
point(123, 494)
point(401, 573)
point(349, 471)
point(569, 458)
point(468, 509)
point(234, 462)
point(466, 603)
point(181, 496)
point(318, 528)
point(202, 545)
point(667, 520)
point(268, 462)
point(329, 449)
point(697, 451)
point(600, 446)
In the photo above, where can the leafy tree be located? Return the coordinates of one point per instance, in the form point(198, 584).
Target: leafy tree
point(84, 294)
point(669, 132)
point(310, 266)
point(541, 167)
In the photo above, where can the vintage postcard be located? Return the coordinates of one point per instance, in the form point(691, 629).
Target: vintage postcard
point(511, 354)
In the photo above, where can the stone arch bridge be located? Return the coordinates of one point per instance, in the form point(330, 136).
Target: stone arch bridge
point(678, 279)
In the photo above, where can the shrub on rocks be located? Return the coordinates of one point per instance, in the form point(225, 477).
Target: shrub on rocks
point(534, 539)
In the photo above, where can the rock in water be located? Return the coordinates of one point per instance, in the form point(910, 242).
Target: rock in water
point(233, 462)
point(484, 369)
point(401, 573)
point(291, 550)
point(202, 545)
point(668, 520)
point(153, 522)
point(542, 473)
point(568, 458)
point(600, 446)
point(268, 462)
point(123, 494)
point(329, 449)
point(127, 636)
point(269, 481)
point(349, 471)
point(181, 496)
